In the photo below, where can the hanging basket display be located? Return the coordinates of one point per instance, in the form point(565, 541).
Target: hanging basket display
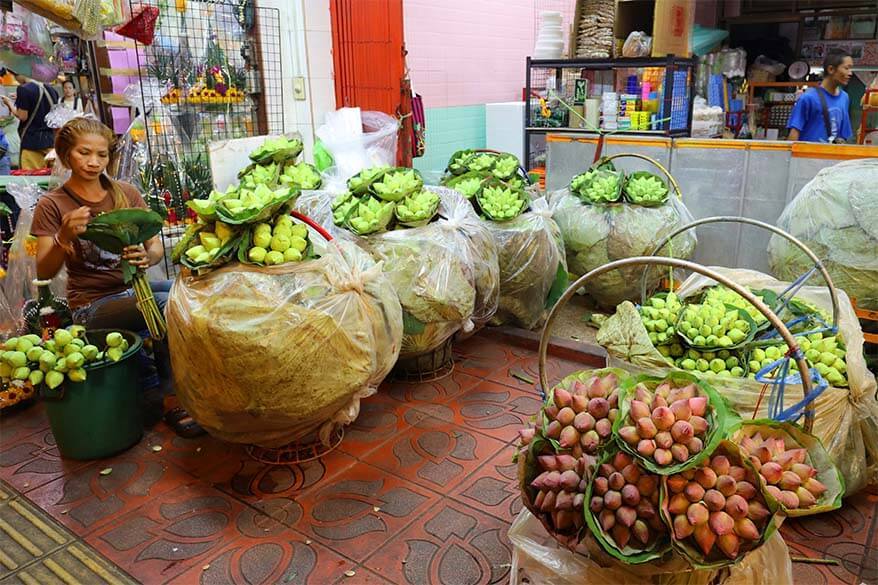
point(141, 27)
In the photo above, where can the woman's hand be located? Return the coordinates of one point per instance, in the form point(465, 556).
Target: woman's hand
point(136, 256)
point(73, 223)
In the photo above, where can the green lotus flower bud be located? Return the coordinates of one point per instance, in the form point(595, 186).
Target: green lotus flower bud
point(34, 353)
point(717, 365)
point(71, 348)
point(299, 231)
point(257, 254)
point(274, 257)
point(114, 339)
point(702, 365)
point(90, 352)
point(737, 372)
point(731, 362)
point(54, 379)
point(827, 358)
point(262, 239)
point(24, 345)
point(280, 242)
point(688, 364)
point(77, 375)
point(77, 331)
point(284, 221)
point(711, 341)
point(262, 228)
point(21, 373)
point(114, 354)
point(283, 230)
point(725, 341)
point(34, 339)
point(5, 371)
point(16, 359)
point(47, 361)
point(35, 378)
point(11, 344)
point(699, 340)
point(292, 255)
point(61, 365)
point(736, 336)
point(75, 360)
point(62, 338)
point(299, 244)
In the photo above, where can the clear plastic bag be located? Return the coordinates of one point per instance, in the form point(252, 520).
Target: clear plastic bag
point(846, 419)
point(538, 558)
point(597, 234)
point(638, 44)
point(836, 216)
point(531, 252)
point(18, 286)
point(445, 273)
point(358, 140)
point(269, 356)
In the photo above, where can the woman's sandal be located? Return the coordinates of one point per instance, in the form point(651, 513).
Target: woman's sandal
point(183, 424)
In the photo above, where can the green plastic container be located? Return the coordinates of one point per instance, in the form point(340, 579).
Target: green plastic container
point(101, 416)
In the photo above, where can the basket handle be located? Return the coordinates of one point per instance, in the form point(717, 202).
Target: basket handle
point(317, 227)
point(649, 159)
point(833, 292)
point(775, 321)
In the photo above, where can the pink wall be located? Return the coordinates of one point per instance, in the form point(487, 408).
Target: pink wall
point(465, 52)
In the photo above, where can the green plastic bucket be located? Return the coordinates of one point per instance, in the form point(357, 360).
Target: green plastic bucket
point(101, 416)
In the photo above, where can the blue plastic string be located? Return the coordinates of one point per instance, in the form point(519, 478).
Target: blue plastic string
point(778, 385)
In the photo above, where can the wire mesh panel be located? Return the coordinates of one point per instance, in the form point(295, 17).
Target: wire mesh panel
point(213, 72)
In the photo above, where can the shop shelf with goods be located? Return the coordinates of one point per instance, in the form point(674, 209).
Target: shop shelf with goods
point(212, 73)
point(651, 96)
point(777, 100)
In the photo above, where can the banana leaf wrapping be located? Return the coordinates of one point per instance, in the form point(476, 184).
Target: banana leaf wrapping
point(600, 233)
point(539, 559)
point(445, 273)
point(718, 417)
point(656, 552)
point(533, 267)
point(716, 559)
point(269, 356)
point(827, 473)
point(114, 230)
point(846, 419)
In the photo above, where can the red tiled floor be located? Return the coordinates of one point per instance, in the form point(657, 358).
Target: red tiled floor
point(434, 458)
point(357, 514)
point(453, 543)
point(85, 500)
point(493, 488)
point(33, 460)
point(436, 454)
point(488, 408)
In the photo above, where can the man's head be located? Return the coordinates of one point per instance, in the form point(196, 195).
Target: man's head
point(838, 66)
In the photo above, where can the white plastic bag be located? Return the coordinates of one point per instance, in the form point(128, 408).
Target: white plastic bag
point(358, 140)
point(445, 273)
point(638, 44)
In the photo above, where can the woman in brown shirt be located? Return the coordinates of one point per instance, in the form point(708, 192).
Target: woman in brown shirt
point(98, 296)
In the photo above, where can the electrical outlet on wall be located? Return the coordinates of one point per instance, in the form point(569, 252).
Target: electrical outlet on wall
point(299, 88)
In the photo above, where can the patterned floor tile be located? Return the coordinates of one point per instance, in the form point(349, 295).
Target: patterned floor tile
point(164, 537)
point(84, 500)
point(489, 408)
point(362, 576)
point(435, 454)
point(493, 489)
point(255, 483)
point(22, 422)
point(481, 356)
point(359, 512)
point(812, 574)
point(34, 460)
point(381, 418)
point(195, 456)
point(437, 391)
point(524, 374)
point(282, 557)
point(452, 544)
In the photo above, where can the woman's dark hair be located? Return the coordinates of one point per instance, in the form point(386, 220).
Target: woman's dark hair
point(70, 81)
point(834, 58)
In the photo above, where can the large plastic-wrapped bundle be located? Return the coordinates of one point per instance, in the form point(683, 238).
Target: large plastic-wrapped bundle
point(532, 265)
point(273, 355)
point(836, 216)
point(845, 419)
point(598, 233)
point(445, 273)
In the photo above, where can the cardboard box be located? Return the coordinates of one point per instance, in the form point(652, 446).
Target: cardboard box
point(673, 28)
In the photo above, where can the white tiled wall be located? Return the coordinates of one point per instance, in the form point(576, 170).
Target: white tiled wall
point(306, 52)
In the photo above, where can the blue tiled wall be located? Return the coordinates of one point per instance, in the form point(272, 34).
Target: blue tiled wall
point(448, 130)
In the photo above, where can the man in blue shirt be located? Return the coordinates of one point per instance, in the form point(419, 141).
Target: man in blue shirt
point(33, 100)
point(822, 113)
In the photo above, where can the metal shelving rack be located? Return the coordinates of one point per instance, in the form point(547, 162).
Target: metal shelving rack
point(565, 71)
